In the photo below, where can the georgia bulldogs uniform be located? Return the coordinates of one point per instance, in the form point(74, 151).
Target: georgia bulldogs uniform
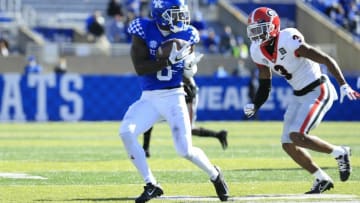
point(299, 72)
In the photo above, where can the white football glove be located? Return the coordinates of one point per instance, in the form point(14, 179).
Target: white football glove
point(190, 64)
point(192, 59)
point(249, 110)
point(346, 90)
point(177, 56)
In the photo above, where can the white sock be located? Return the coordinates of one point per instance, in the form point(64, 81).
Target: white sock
point(321, 175)
point(337, 151)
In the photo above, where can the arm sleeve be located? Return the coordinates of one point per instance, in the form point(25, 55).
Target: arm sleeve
point(262, 93)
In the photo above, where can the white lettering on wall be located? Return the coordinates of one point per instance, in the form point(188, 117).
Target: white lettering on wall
point(41, 82)
point(220, 98)
point(11, 98)
point(73, 97)
point(234, 98)
point(214, 98)
point(12, 101)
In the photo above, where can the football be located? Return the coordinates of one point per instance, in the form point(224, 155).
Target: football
point(165, 48)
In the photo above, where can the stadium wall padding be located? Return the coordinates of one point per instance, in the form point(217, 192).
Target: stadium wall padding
point(75, 97)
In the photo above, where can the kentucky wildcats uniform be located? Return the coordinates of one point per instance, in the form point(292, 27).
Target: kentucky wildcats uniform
point(162, 98)
point(147, 30)
point(313, 91)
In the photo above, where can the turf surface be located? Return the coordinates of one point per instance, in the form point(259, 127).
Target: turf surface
point(86, 162)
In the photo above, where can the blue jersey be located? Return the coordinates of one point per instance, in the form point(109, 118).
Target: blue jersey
point(170, 76)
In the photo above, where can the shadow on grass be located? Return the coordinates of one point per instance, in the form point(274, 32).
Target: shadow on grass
point(247, 198)
point(276, 169)
point(89, 199)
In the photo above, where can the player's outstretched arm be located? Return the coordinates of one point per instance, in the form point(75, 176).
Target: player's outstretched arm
point(307, 51)
point(140, 57)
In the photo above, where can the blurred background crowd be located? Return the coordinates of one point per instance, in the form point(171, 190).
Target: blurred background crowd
point(50, 32)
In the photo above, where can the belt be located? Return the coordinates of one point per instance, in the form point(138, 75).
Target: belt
point(310, 87)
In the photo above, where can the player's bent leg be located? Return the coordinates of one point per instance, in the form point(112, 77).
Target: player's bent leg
point(146, 142)
point(322, 182)
point(300, 156)
point(221, 135)
point(311, 142)
point(342, 154)
point(198, 157)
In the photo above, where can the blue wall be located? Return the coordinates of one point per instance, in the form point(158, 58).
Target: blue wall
point(73, 97)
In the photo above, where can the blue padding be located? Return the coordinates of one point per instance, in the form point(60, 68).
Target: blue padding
point(74, 97)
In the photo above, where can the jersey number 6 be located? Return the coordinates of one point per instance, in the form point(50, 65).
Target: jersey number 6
point(164, 74)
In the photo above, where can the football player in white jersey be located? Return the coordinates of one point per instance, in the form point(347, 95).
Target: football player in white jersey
point(286, 53)
point(162, 94)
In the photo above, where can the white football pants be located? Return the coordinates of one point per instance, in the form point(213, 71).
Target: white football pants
point(144, 113)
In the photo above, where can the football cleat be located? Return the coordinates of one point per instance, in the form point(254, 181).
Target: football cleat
point(150, 191)
point(221, 188)
point(344, 164)
point(320, 186)
point(222, 136)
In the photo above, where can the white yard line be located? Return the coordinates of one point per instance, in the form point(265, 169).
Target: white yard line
point(20, 176)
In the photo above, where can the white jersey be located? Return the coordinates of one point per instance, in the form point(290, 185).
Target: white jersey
point(298, 71)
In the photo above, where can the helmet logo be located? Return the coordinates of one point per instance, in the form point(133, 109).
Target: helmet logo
point(271, 12)
point(158, 3)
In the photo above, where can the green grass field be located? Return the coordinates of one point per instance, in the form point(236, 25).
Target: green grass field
point(86, 162)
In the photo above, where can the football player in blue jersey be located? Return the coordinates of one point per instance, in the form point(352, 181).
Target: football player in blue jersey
point(162, 94)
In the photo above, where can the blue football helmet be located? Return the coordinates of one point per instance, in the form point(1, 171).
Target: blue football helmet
point(173, 14)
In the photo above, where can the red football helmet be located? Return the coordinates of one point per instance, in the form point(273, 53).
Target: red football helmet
point(263, 24)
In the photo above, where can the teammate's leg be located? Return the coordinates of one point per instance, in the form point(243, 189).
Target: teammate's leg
point(220, 135)
point(202, 132)
point(146, 142)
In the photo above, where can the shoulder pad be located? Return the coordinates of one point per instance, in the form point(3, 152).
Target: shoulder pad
point(194, 35)
point(136, 27)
